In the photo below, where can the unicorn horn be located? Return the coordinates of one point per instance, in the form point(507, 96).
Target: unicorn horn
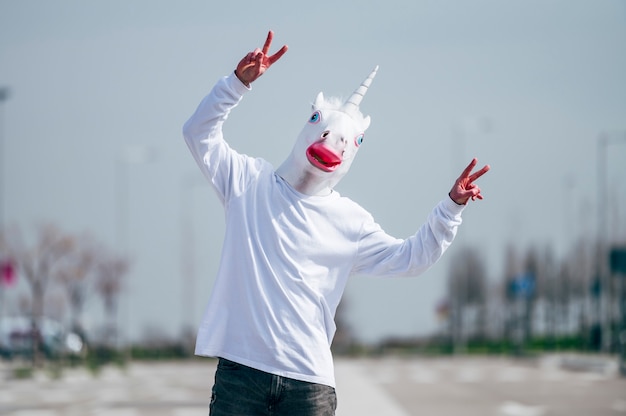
point(357, 95)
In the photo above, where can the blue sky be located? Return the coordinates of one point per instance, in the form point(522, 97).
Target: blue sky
point(526, 86)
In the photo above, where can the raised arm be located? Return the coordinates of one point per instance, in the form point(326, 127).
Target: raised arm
point(382, 255)
point(203, 130)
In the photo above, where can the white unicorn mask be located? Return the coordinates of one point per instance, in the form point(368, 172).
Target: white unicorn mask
point(328, 143)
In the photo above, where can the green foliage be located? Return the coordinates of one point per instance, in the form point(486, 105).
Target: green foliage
point(23, 372)
point(441, 346)
point(99, 356)
point(161, 352)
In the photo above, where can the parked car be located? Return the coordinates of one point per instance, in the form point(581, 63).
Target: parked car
point(17, 336)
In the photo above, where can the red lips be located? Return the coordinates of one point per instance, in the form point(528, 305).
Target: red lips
point(322, 157)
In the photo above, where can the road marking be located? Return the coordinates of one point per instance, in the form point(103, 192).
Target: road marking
point(469, 375)
point(518, 409)
point(619, 406)
point(423, 376)
point(116, 412)
point(360, 394)
point(511, 375)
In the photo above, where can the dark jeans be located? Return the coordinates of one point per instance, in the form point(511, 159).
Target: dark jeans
point(245, 391)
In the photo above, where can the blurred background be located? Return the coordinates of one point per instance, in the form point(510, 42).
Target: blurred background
point(110, 237)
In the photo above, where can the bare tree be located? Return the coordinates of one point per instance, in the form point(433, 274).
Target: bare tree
point(531, 273)
point(109, 276)
point(75, 273)
point(467, 294)
point(343, 339)
point(548, 290)
point(512, 268)
point(497, 310)
point(37, 264)
point(582, 270)
point(572, 283)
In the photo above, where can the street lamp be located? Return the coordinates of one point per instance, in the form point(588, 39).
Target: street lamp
point(187, 247)
point(7, 264)
point(464, 131)
point(604, 275)
point(130, 155)
point(4, 96)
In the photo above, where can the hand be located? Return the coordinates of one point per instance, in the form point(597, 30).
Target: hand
point(464, 188)
point(254, 64)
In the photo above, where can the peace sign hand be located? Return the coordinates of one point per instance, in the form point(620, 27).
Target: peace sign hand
point(464, 187)
point(255, 63)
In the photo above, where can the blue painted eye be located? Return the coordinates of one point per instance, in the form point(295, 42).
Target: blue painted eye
point(315, 117)
point(358, 140)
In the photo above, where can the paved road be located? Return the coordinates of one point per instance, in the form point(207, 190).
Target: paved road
point(386, 386)
point(489, 387)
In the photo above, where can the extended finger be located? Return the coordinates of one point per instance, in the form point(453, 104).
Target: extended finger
point(268, 42)
point(468, 169)
point(479, 173)
point(278, 54)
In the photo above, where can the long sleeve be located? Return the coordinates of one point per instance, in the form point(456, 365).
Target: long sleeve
point(379, 254)
point(204, 137)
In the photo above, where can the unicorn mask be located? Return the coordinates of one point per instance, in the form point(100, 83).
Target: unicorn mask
point(328, 143)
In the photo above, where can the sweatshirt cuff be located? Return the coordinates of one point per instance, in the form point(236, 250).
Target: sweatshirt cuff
point(452, 207)
point(236, 84)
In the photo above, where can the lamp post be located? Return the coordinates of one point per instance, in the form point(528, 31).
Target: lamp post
point(4, 96)
point(604, 274)
point(187, 249)
point(465, 131)
point(130, 155)
point(5, 263)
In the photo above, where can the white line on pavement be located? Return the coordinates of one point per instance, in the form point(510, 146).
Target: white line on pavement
point(359, 394)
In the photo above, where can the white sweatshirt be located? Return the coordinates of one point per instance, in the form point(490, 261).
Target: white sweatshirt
point(286, 256)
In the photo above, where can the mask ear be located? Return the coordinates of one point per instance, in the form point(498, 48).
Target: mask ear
point(318, 101)
point(366, 122)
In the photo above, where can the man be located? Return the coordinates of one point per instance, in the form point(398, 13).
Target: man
point(291, 243)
